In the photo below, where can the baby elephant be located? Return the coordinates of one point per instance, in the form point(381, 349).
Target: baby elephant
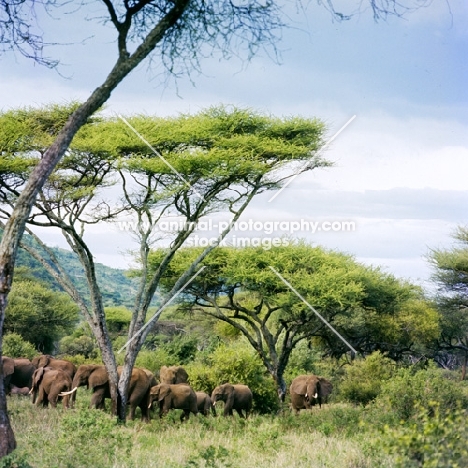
point(14, 390)
point(174, 396)
point(204, 404)
point(235, 397)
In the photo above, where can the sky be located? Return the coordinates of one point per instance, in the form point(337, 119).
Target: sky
point(400, 166)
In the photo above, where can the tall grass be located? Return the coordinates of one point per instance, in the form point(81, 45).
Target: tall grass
point(327, 437)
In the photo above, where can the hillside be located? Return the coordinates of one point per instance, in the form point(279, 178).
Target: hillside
point(116, 287)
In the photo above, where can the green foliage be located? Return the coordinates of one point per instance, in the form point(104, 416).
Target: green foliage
point(363, 379)
point(39, 315)
point(82, 345)
point(433, 439)
point(182, 348)
point(118, 319)
point(77, 429)
point(407, 388)
point(212, 457)
point(153, 360)
point(14, 460)
point(237, 364)
point(15, 346)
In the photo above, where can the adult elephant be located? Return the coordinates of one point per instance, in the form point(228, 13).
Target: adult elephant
point(96, 377)
point(22, 375)
point(308, 390)
point(204, 404)
point(8, 370)
point(236, 397)
point(174, 396)
point(46, 360)
point(48, 385)
point(173, 375)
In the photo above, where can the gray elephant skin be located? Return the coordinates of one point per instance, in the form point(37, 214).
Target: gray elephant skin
point(173, 375)
point(17, 372)
point(174, 396)
point(46, 360)
point(204, 404)
point(47, 386)
point(309, 390)
point(236, 397)
point(95, 377)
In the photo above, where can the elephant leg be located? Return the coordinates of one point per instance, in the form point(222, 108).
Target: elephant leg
point(41, 400)
point(53, 397)
point(185, 415)
point(240, 413)
point(97, 400)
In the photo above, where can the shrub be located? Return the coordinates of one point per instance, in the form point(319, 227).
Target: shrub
point(433, 440)
point(425, 388)
point(118, 319)
point(83, 345)
point(236, 363)
point(363, 379)
point(15, 346)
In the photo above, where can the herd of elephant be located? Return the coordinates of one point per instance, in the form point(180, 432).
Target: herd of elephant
point(48, 379)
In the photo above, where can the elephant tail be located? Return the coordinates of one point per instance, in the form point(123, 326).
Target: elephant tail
point(68, 393)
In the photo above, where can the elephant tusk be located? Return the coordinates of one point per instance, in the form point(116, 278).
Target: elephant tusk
point(306, 396)
point(30, 391)
point(68, 393)
point(316, 395)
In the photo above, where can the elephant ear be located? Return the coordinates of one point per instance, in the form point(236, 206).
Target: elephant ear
point(164, 391)
point(8, 366)
point(299, 386)
point(164, 374)
point(326, 387)
point(181, 375)
point(98, 377)
point(37, 376)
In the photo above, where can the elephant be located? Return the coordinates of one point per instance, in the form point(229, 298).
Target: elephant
point(174, 396)
point(22, 375)
point(308, 390)
point(173, 375)
point(46, 360)
point(17, 373)
point(14, 390)
point(47, 386)
point(204, 404)
point(8, 370)
point(96, 377)
point(238, 397)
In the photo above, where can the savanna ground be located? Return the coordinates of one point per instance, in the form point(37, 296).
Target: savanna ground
point(337, 435)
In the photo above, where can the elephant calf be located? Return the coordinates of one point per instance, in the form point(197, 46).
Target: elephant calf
point(204, 404)
point(236, 397)
point(14, 390)
point(174, 396)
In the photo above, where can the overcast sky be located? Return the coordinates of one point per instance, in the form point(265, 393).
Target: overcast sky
point(401, 166)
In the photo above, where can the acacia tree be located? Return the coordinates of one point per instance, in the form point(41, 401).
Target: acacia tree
point(372, 310)
point(215, 161)
point(451, 276)
point(178, 30)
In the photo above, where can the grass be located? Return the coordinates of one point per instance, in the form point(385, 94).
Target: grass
point(327, 437)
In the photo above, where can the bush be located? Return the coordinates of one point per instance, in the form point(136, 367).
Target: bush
point(118, 319)
point(425, 388)
point(363, 379)
point(15, 346)
point(433, 440)
point(236, 363)
point(83, 345)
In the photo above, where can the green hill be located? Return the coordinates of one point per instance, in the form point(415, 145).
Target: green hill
point(116, 287)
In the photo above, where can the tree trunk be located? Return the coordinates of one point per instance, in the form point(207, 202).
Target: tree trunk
point(465, 358)
point(7, 437)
